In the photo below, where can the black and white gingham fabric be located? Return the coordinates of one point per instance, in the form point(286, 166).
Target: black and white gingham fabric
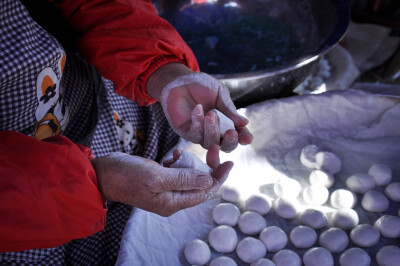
point(87, 108)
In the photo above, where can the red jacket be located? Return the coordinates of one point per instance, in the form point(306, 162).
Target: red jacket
point(49, 200)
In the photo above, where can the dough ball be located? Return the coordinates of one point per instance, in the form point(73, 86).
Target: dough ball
point(317, 256)
point(274, 238)
point(251, 223)
point(226, 213)
point(307, 156)
point(328, 162)
point(313, 218)
point(263, 262)
point(360, 183)
point(343, 198)
point(334, 239)
point(375, 201)
point(286, 208)
point(393, 191)
point(197, 252)
point(286, 257)
point(223, 261)
point(388, 226)
point(316, 194)
point(365, 235)
point(223, 239)
point(381, 173)
point(189, 160)
point(388, 256)
point(303, 236)
point(259, 204)
point(287, 188)
point(345, 218)
point(250, 249)
point(355, 256)
point(229, 194)
point(225, 123)
point(321, 177)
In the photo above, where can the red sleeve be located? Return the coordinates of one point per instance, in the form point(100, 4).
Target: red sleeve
point(48, 192)
point(126, 41)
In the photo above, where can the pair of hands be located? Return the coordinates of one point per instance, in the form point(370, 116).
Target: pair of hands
point(187, 99)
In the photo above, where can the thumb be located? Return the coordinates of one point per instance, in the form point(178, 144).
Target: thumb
point(178, 179)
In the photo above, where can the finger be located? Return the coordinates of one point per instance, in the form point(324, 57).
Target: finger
point(184, 179)
point(212, 157)
point(245, 137)
point(168, 162)
point(211, 130)
point(220, 175)
point(197, 125)
point(226, 106)
point(176, 154)
point(230, 140)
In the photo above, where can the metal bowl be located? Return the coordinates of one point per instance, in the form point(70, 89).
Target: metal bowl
point(260, 49)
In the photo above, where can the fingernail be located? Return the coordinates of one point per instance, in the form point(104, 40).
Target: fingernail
point(204, 181)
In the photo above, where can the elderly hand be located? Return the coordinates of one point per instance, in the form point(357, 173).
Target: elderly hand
point(187, 99)
point(147, 185)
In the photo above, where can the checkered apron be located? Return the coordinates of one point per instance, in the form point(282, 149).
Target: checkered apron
point(45, 90)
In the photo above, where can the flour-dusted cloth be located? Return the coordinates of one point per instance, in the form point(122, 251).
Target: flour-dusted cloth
point(360, 128)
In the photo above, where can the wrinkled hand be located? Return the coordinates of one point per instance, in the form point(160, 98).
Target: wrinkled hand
point(147, 185)
point(187, 98)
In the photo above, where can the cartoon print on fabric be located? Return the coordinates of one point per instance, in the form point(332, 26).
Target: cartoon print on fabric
point(127, 136)
point(52, 112)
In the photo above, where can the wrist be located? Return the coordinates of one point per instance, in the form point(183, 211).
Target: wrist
point(164, 75)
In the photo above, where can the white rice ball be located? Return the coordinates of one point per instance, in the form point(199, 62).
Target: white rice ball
point(381, 173)
point(393, 191)
point(303, 236)
point(388, 226)
point(355, 256)
point(274, 238)
point(259, 204)
point(286, 208)
point(226, 213)
point(334, 239)
point(250, 249)
point(263, 262)
point(287, 187)
point(223, 261)
point(328, 162)
point(321, 177)
point(307, 156)
point(388, 256)
point(197, 252)
point(375, 201)
point(316, 194)
point(286, 257)
point(229, 194)
point(314, 218)
point(343, 198)
point(365, 235)
point(360, 182)
point(345, 218)
point(317, 256)
point(251, 223)
point(223, 239)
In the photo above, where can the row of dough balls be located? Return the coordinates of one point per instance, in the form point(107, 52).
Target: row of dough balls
point(252, 251)
point(223, 238)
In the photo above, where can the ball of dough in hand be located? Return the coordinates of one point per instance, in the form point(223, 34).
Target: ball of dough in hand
point(224, 122)
point(189, 160)
point(250, 249)
point(226, 213)
point(223, 239)
point(197, 252)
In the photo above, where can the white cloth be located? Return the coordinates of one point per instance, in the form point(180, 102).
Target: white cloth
point(360, 128)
